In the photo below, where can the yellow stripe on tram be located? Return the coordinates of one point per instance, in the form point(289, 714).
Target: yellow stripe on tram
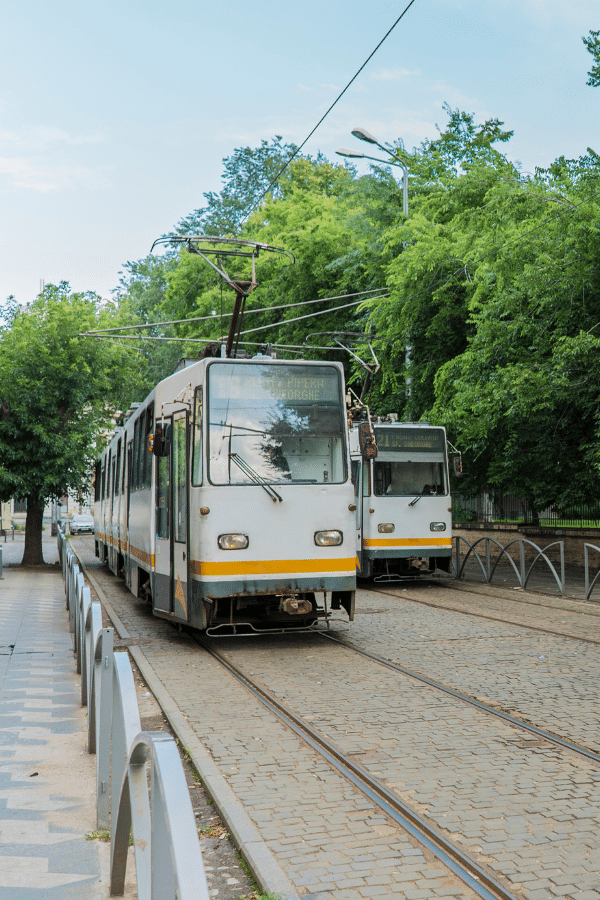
point(408, 542)
point(271, 566)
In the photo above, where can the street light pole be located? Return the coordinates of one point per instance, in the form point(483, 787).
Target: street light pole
point(363, 135)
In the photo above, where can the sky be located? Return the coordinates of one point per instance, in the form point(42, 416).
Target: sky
point(115, 117)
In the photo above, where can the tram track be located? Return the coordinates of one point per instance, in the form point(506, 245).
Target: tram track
point(540, 733)
point(411, 798)
point(475, 876)
point(488, 616)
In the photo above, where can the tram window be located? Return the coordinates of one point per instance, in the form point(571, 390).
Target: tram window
point(403, 478)
point(180, 481)
point(145, 455)
point(163, 488)
point(134, 459)
point(103, 482)
point(130, 467)
point(118, 472)
point(139, 475)
point(366, 479)
point(197, 441)
point(285, 424)
point(97, 481)
point(366, 476)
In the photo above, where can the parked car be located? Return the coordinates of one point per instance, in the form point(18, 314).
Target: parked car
point(82, 525)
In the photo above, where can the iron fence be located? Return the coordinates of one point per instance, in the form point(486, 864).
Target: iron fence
point(496, 554)
point(496, 507)
point(140, 783)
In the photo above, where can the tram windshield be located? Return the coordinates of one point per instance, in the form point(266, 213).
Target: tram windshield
point(282, 424)
point(410, 461)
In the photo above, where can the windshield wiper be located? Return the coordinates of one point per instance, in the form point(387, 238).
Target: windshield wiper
point(255, 477)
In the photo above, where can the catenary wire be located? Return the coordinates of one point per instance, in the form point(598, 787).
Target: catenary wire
point(323, 117)
point(247, 312)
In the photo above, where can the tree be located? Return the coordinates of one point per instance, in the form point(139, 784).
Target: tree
point(249, 172)
point(523, 396)
point(592, 43)
point(141, 300)
point(57, 391)
point(425, 257)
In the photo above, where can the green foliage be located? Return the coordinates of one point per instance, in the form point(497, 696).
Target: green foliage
point(103, 835)
point(592, 44)
point(57, 389)
point(248, 173)
point(491, 325)
point(141, 298)
point(523, 396)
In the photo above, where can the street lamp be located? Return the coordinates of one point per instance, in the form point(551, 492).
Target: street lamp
point(363, 135)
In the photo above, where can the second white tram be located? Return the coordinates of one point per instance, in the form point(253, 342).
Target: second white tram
point(225, 499)
point(402, 498)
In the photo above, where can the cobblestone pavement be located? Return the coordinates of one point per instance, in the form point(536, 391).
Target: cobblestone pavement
point(527, 810)
point(456, 635)
point(332, 843)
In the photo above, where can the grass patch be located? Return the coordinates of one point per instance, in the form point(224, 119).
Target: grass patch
point(212, 831)
point(104, 836)
point(99, 836)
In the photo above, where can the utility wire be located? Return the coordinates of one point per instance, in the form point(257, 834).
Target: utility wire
point(247, 312)
point(323, 117)
point(322, 312)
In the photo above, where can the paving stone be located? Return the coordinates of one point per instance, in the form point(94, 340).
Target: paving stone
point(492, 786)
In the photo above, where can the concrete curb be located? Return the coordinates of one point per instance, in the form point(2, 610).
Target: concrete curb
point(265, 869)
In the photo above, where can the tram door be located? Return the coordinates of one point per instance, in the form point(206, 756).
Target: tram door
point(171, 563)
point(179, 534)
point(357, 481)
point(162, 562)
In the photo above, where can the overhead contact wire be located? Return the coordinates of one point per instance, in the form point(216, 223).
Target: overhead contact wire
point(323, 117)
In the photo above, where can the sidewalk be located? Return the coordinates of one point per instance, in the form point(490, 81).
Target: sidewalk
point(12, 550)
point(47, 777)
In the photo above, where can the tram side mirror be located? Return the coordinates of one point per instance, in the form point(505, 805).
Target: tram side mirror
point(161, 441)
point(366, 441)
point(457, 462)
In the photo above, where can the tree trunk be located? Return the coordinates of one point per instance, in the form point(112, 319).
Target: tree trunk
point(32, 555)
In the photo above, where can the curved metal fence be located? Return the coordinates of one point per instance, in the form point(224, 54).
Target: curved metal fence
point(589, 586)
point(141, 786)
point(523, 571)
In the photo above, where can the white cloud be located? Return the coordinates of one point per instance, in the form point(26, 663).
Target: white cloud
point(46, 137)
point(395, 73)
point(582, 13)
point(42, 178)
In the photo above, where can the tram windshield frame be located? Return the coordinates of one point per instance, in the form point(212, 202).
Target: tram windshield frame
point(411, 461)
point(275, 423)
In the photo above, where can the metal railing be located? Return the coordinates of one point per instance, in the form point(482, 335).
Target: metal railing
point(589, 587)
point(148, 796)
point(488, 567)
point(496, 507)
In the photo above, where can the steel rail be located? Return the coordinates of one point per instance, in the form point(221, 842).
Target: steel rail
point(461, 864)
point(548, 736)
point(489, 617)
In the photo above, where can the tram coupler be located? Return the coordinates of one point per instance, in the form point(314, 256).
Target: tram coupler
point(295, 606)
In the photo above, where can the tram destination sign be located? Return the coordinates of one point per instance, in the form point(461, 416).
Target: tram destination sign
point(416, 440)
point(293, 384)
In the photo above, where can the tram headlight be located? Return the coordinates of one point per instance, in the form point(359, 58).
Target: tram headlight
point(437, 526)
point(386, 528)
point(233, 541)
point(328, 538)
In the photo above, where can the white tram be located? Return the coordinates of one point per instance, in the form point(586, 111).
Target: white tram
point(402, 497)
point(225, 499)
